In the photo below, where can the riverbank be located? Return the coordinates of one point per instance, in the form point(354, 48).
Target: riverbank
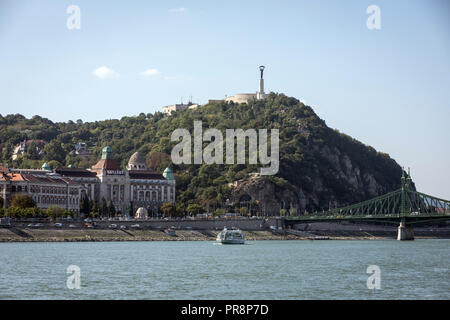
point(68, 235)
point(76, 235)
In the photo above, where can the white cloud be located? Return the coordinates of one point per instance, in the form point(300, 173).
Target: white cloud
point(105, 73)
point(149, 72)
point(180, 10)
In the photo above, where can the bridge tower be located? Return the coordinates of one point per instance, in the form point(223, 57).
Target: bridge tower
point(404, 231)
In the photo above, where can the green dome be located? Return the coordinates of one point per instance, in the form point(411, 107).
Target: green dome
point(107, 152)
point(168, 174)
point(45, 166)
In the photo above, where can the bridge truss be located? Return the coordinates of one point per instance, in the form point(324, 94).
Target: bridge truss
point(405, 205)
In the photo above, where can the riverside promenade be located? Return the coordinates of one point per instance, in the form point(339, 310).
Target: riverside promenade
point(201, 230)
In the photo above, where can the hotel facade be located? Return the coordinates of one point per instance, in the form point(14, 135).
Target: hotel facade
point(127, 190)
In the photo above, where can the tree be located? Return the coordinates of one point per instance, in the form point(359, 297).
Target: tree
point(220, 212)
point(158, 161)
point(94, 208)
point(54, 212)
point(169, 209)
point(131, 209)
point(84, 204)
point(244, 211)
point(32, 152)
point(54, 164)
point(103, 207)
point(181, 209)
point(54, 151)
point(111, 209)
point(22, 201)
point(194, 209)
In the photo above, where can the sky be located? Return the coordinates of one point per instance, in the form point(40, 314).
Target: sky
point(388, 87)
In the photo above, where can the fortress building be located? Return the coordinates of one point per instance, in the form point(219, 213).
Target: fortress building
point(237, 98)
point(176, 107)
point(246, 97)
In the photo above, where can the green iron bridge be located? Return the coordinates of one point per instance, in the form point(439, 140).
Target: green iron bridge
point(404, 206)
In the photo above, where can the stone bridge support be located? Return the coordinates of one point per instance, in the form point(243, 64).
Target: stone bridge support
point(280, 222)
point(405, 232)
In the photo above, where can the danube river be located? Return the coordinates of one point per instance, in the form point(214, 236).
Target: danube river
point(204, 270)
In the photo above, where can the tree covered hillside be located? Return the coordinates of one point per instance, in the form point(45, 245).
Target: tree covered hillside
point(319, 166)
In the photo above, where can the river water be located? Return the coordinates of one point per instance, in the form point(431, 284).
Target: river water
point(329, 269)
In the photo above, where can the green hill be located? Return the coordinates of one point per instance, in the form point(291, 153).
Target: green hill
point(319, 166)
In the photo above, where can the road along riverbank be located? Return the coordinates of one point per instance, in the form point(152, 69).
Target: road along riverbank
point(15, 234)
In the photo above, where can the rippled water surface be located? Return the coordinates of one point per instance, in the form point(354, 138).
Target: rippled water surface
point(204, 270)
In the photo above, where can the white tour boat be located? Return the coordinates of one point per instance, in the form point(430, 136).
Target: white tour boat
point(234, 236)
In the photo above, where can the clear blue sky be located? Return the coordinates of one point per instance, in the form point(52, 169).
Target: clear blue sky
point(388, 88)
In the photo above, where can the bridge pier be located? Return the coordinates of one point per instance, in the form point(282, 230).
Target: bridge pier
point(280, 222)
point(405, 232)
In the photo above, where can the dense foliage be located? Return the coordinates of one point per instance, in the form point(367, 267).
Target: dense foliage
point(22, 201)
point(53, 212)
point(303, 137)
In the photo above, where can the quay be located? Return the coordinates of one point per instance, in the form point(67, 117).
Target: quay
point(206, 230)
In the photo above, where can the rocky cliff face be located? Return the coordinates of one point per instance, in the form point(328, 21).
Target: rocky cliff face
point(271, 196)
point(320, 168)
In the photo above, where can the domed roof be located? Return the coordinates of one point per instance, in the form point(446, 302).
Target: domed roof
point(168, 174)
point(136, 158)
point(46, 166)
point(137, 162)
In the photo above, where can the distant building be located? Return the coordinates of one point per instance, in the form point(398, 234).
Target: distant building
point(241, 98)
point(82, 150)
point(135, 187)
point(45, 187)
point(87, 179)
point(237, 98)
point(23, 146)
point(246, 97)
point(177, 107)
point(214, 100)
